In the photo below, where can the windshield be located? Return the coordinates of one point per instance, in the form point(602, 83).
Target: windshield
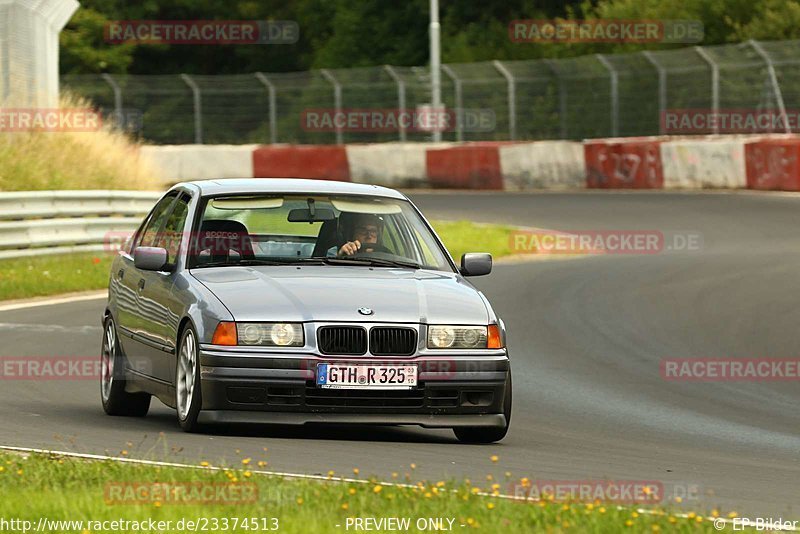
point(285, 229)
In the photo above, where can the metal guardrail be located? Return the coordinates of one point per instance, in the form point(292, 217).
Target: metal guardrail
point(34, 223)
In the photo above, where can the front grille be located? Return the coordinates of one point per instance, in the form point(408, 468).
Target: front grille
point(391, 341)
point(355, 398)
point(345, 340)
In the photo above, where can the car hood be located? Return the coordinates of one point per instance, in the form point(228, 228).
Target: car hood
point(335, 293)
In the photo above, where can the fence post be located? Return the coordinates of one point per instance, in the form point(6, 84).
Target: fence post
point(662, 89)
point(273, 123)
point(401, 98)
point(512, 99)
point(337, 100)
point(562, 96)
point(198, 119)
point(774, 79)
point(714, 85)
point(117, 98)
point(459, 103)
point(614, 94)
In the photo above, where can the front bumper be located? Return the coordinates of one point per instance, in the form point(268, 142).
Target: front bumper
point(454, 390)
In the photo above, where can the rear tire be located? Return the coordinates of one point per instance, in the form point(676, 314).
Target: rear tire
point(188, 398)
point(477, 434)
point(117, 401)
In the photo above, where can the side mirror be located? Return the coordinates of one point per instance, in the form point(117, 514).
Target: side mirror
point(476, 264)
point(150, 258)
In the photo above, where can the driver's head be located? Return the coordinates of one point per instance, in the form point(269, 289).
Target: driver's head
point(363, 227)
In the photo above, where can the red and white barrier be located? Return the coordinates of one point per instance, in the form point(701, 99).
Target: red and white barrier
point(390, 164)
point(726, 162)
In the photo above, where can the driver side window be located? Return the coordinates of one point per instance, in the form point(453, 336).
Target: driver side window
point(149, 230)
point(172, 234)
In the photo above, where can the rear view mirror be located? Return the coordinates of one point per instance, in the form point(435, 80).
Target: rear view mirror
point(150, 258)
point(306, 215)
point(476, 264)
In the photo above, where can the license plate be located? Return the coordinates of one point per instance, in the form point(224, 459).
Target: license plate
point(350, 376)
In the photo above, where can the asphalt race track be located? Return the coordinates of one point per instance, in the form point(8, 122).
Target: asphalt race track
point(586, 338)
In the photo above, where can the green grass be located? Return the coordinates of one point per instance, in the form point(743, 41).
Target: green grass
point(466, 236)
point(51, 275)
point(73, 489)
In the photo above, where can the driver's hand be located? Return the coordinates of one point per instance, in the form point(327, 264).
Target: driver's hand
point(350, 248)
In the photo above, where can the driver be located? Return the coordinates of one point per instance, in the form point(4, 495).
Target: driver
point(362, 230)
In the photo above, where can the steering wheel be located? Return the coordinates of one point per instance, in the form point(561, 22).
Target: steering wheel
point(375, 248)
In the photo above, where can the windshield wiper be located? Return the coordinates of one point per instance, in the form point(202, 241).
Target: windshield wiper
point(239, 263)
point(380, 262)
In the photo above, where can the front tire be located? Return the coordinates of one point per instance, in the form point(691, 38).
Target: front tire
point(475, 434)
point(117, 401)
point(188, 399)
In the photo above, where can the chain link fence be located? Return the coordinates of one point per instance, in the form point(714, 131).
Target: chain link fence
point(575, 98)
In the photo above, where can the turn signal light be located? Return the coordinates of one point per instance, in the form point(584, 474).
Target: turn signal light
point(494, 341)
point(225, 334)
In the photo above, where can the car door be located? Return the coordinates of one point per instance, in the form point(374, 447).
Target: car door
point(159, 309)
point(129, 318)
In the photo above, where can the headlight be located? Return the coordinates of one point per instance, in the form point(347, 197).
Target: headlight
point(456, 337)
point(271, 334)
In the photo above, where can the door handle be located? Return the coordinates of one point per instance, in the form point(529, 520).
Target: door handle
point(120, 274)
point(141, 284)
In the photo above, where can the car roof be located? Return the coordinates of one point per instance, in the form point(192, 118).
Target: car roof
point(229, 186)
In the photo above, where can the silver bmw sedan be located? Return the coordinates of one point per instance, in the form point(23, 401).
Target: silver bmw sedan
point(283, 301)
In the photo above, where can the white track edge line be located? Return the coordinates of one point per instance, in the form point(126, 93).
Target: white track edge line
point(53, 301)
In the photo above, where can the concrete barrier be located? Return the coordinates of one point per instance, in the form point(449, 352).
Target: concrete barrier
point(321, 162)
point(633, 163)
point(704, 163)
point(468, 166)
point(178, 163)
point(390, 164)
point(773, 163)
point(542, 165)
point(728, 162)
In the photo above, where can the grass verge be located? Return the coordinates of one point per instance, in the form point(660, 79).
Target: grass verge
point(50, 275)
point(68, 489)
point(466, 236)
